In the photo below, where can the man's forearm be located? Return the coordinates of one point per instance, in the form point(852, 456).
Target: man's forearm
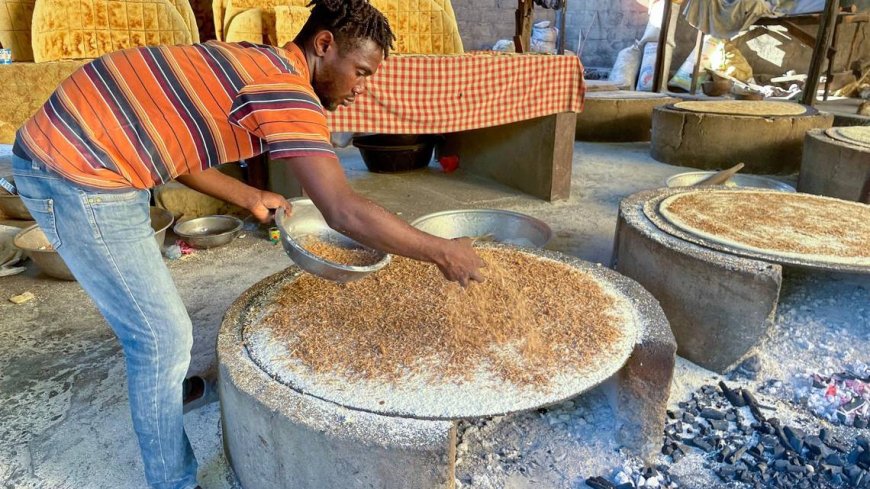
point(224, 187)
point(378, 228)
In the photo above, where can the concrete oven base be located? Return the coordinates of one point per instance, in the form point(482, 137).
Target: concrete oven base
point(765, 144)
point(276, 437)
point(618, 116)
point(833, 168)
point(718, 305)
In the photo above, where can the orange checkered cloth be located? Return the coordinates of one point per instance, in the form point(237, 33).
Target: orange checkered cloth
point(425, 94)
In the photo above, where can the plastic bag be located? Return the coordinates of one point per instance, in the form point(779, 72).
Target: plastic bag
point(718, 55)
point(647, 67)
point(683, 77)
point(624, 72)
point(504, 46)
point(544, 33)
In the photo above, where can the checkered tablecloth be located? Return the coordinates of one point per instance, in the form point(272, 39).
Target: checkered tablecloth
point(416, 94)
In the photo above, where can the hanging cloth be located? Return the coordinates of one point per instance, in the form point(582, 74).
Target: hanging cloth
point(725, 19)
point(550, 4)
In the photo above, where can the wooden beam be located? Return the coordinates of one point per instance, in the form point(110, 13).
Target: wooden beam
point(832, 54)
point(523, 34)
point(660, 78)
point(700, 47)
point(823, 42)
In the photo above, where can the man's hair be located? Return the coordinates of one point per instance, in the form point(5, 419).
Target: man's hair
point(349, 21)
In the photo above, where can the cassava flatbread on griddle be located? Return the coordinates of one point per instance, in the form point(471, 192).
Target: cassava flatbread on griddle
point(858, 135)
point(784, 224)
point(759, 108)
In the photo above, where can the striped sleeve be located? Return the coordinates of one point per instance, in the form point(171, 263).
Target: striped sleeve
point(285, 113)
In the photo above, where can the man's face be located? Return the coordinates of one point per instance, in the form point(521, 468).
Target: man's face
point(343, 71)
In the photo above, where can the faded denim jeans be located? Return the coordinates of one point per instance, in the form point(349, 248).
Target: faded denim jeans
point(107, 242)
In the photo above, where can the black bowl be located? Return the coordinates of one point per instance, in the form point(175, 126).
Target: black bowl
point(391, 153)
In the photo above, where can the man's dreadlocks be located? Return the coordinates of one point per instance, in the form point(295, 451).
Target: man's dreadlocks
point(349, 21)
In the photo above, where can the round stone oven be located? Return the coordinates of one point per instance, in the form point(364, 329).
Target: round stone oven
point(287, 425)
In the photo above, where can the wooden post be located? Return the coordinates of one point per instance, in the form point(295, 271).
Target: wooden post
point(820, 51)
point(660, 78)
point(697, 68)
point(562, 14)
point(523, 36)
point(832, 54)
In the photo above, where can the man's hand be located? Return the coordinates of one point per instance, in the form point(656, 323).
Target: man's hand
point(460, 263)
point(264, 204)
point(214, 183)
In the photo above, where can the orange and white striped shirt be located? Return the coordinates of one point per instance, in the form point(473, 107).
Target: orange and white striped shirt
point(143, 116)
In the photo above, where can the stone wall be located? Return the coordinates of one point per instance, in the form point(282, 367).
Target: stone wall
point(483, 22)
point(619, 22)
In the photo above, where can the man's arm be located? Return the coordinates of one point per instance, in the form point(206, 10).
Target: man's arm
point(224, 187)
point(349, 213)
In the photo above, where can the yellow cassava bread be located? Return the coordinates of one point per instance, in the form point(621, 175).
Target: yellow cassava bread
point(246, 26)
point(421, 26)
point(82, 29)
point(186, 10)
point(15, 17)
point(288, 22)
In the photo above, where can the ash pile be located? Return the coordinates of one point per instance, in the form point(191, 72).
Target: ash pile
point(743, 445)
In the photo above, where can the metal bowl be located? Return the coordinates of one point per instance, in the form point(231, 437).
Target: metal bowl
point(161, 219)
point(754, 181)
point(11, 205)
point(306, 220)
point(505, 227)
point(36, 246)
point(209, 231)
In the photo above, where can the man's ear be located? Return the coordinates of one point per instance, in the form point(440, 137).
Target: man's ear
point(323, 42)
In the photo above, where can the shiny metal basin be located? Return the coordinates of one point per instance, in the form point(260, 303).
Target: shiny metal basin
point(306, 220)
point(11, 205)
point(754, 181)
point(506, 227)
point(161, 219)
point(208, 231)
point(35, 245)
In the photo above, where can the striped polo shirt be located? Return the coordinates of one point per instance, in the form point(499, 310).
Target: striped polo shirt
point(143, 116)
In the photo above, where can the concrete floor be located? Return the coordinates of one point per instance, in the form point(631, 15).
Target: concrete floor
point(64, 415)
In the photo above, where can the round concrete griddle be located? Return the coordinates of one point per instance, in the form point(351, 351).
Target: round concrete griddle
point(651, 210)
point(855, 135)
point(766, 144)
point(483, 395)
point(833, 167)
point(618, 116)
point(752, 108)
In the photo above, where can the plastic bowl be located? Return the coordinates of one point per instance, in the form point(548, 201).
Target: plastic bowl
point(506, 227)
point(305, 221)
point(384, 153)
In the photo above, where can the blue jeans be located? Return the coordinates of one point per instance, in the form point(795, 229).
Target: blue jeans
point(107, 242)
